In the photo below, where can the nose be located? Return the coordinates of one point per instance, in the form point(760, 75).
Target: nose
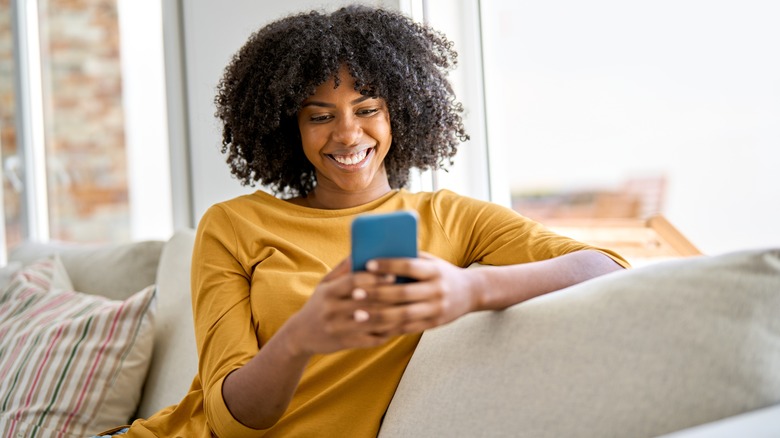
point(347, 130)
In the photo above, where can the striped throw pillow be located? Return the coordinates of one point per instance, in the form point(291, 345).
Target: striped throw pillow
point(71, 364)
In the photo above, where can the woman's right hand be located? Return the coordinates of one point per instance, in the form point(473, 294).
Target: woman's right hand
point(333, 318)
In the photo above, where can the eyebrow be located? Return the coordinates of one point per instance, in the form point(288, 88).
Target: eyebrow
point(330, 105)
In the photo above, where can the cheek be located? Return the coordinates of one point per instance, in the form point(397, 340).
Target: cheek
point(310, 143)
point(382, 129)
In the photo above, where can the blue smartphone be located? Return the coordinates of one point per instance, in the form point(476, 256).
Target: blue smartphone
point(384, 235)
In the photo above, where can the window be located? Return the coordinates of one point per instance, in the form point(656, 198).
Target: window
point(10, 200)
point(83, 121)
point(609, 109)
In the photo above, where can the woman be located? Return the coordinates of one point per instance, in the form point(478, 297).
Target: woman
point(332, 111)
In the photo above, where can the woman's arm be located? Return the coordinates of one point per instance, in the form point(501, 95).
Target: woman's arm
point(498, 287)
point(445, 292)
point(258, 393)
point(247, 385)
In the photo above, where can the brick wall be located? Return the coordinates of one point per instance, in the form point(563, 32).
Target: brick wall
point(86, 159)
point(11, 205)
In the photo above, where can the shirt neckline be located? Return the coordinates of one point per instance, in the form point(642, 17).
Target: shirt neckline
point(301, 210)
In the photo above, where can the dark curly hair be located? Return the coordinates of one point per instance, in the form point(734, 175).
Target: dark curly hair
point(387, 54)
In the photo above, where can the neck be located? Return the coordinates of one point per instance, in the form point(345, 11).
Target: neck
point(323, 198)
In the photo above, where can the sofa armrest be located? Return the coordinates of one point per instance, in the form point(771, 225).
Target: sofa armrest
point(641, 352)
point(174, 359)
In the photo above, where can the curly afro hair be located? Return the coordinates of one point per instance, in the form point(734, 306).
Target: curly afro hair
point(387, 54)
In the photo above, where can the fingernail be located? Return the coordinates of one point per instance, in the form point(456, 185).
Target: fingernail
point(371, 265)
point(359, 294)
point(360, 315)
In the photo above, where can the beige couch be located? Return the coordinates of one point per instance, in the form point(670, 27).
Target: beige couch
point(645, 352)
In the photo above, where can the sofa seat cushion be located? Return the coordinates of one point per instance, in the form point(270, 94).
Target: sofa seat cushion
point(71, 364)
point(635, 353)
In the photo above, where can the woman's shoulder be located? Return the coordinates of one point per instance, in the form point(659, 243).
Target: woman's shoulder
point(242, 207)
point(427, 196)
point(251, 201)
point(451, 206)
point(444, 198)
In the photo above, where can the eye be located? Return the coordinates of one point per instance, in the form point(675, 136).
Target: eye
point(367, 111)
point(320, 118)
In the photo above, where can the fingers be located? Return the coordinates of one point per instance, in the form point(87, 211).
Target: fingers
point(406, 293)
point(363, 309)
point(345, 317)
point(398, 320)
point(405, 314)
point(422, 268)
point(334, 323)
point(427, 270)
point(350, 286)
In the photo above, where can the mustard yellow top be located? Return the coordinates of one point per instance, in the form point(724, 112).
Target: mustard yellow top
point(256, 261)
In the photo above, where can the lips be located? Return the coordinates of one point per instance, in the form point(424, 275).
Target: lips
point(352, 160)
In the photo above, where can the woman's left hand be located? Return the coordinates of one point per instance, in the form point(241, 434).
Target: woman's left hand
point(441, 293)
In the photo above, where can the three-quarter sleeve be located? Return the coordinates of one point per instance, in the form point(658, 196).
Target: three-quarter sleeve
point(224, 331)
point(496, 235)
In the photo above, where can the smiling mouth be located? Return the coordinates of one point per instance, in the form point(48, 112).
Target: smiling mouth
point(352, 160)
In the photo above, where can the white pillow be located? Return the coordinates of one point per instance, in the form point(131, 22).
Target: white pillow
point(71, 364)
point(636, 353)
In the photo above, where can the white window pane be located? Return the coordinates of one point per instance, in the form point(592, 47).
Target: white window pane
point(586, 97)
point(84, 121)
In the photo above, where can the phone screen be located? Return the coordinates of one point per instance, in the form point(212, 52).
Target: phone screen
point(386, 235)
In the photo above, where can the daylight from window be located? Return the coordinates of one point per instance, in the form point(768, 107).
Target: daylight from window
point(613, 109)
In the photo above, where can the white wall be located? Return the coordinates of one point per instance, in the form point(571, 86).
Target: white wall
point(212, 31)
point(146, 135)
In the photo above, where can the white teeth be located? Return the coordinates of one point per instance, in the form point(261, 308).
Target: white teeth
point(351, 159)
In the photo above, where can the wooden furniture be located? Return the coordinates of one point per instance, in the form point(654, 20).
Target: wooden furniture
point(639, 241)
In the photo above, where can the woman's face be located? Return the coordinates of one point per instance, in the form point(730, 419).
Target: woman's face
point(346, 136)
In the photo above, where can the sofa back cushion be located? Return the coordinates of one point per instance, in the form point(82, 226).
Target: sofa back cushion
point(115, 271)
point(175, 358)
point(636, 353)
